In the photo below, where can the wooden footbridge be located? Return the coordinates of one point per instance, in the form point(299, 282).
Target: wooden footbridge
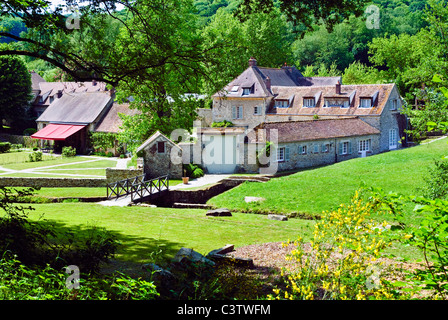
point(138, 188)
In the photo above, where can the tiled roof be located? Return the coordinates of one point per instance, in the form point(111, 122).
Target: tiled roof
point(112, 122)
point(83, 108)
point(353, 93)
point(50, 89)
point(250, 78)
point(295, 131)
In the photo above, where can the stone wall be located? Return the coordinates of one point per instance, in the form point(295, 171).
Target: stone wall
point(159, 164)
point(114, 174)
point(196, 196)
point(312, 157)
point(51, 182)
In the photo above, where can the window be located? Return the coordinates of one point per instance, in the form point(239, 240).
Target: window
point(237, 112)
point(316, 148)
point(281, 103)
point(246, 91)
point(282, 154)
point(234, 89)
point(257, 110)
point(308, 102)
point(325, 148)
point(161, 147)
point(302, 149)
point(345, 148)
point(393, 138)
point(394, 104)
point(365, 103)
point(364, 145)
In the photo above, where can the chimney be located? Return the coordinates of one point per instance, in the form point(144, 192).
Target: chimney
point(252, 62)
point(59, 95)
point(267, 81)
point(338, 88)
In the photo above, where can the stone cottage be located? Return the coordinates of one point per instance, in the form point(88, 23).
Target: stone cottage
point(318, 120)
point(161, 156)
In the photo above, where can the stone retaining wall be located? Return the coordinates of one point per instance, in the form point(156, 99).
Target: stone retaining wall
point(195, 196)
point(52, 182)
point(114, 174)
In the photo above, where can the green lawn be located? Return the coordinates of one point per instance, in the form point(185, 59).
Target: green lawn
point(144, 231)
point(320, 189)
point(14, 157)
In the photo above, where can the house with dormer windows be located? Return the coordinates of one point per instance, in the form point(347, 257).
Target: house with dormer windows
point(316, 121)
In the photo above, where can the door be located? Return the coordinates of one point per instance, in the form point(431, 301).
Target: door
point(220, 153)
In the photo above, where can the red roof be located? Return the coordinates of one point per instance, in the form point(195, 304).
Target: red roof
point(57, 131)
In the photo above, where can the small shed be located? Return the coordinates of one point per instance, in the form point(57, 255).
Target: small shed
point(161, 156)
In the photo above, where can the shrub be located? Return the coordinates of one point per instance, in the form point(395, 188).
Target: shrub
point(193, 171)
point(436, 181)
point(222, 124)
point(68, 152)
point(40, 243)
point(35, 156)
point(340, 263)
point(5, 147)
point(29, 131)
point(20, 282)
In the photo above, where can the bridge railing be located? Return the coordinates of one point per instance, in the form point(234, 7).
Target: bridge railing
point(149, 187)
point(123, 187)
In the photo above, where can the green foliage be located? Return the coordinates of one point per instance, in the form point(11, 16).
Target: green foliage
point(436, 181)
point(264, 154)
point(35, 156)
point(101, 141)
point(340, 263)
point(20, 282)
point(38, 243)
point(222, 124)
point(193, 171)
point(5, 147)
point(15, 89)
point(68, 152)
point(29, 131)
point(429, 236)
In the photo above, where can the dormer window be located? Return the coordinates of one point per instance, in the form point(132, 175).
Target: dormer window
point(309, 102)
point(337, 102)
point(246, 91)
point(365, 103)
point(281, 103)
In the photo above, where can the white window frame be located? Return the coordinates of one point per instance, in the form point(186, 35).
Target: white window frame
point(237, 112)
point(345, 147)
point(309, 102)
point(325, 148)
point(367, 104)
point(394, 104)
point(281, 154)
point(364, 145)
point(246, 91)
point(393, 139)
point(302, 149)
point(281, 104)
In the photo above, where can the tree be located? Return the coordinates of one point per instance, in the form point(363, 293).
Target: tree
point(15, 89)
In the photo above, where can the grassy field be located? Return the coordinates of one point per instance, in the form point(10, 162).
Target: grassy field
point(320, 189)
point(143, 231)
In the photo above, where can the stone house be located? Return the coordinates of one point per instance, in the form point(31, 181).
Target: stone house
point(161, 156)
point(68, 120)
point(318, 120)
point(46, 93)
